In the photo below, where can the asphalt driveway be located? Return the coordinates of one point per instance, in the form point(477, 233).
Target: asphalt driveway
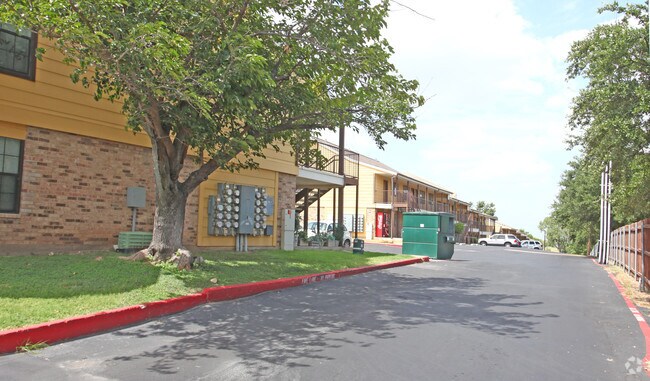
point(488, 314)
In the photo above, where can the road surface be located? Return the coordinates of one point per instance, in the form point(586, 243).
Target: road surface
point(490, 313)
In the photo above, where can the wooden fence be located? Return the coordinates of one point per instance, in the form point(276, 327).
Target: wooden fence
point(629, 247)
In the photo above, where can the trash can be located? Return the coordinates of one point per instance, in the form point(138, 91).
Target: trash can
point(357, 246)
point(428, 233)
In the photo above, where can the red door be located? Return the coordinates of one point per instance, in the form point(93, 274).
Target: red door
point(379, 224)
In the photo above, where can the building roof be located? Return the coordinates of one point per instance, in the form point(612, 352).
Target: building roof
point(459, 200)
point(376, 163)
point(425, 182)
point(368, 161)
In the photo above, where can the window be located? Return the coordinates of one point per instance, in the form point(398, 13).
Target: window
point(17, 51)
point(10, 165)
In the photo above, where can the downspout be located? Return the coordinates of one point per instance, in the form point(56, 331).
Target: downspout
point(393, 183)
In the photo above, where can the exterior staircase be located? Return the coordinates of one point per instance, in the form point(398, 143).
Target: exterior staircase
point(312, 196)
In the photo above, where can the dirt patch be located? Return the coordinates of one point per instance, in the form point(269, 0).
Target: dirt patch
point(630, 286)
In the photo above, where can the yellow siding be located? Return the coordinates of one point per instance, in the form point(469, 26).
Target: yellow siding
point(261, 178)
point(14, 131)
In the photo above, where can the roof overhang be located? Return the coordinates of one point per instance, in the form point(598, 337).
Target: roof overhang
point(314, 178)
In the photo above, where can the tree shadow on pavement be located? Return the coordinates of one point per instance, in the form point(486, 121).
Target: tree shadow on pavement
point(282, 329)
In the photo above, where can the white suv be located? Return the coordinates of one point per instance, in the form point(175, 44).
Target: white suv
point(531, 244)
point(506, 240)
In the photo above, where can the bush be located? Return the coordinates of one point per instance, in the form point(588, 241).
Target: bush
point(301, 235)
point(338, 232)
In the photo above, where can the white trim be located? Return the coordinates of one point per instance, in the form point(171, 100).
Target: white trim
point(309, 177)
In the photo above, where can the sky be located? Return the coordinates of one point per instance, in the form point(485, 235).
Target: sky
point(494, 127)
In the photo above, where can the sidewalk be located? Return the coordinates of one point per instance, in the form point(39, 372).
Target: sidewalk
point(388, 241)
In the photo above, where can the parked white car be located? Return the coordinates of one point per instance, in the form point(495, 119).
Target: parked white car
point(506, 240)
point(329, 229)
point(532, 244)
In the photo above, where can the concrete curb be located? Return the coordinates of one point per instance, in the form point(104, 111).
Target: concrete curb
point(75, 327)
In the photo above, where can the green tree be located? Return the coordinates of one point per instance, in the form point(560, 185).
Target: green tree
point(226, 79)
point(576, 210)
point(459, 228)
point(486, 207)
point(610, 117)
point(556, 235)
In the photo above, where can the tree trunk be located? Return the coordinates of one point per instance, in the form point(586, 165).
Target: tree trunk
point(168, 223)
point(171, 197)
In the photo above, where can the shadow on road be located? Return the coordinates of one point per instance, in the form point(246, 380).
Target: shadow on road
point(284, 328)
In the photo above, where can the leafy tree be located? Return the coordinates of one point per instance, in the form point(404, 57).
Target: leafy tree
point(227, 79)
point(486, 207)
point(610, 118)
point(527, 233)
point(556, 235)
point(459, 228)
point(576, 211)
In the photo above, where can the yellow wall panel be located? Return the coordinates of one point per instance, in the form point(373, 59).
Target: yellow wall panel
point(12, 130)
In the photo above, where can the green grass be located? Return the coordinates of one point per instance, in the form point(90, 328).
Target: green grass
point(36, 289)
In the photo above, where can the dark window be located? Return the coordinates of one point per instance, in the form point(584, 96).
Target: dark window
point(10, 168)
point(17, 51)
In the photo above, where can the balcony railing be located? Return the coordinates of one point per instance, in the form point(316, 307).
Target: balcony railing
point(325, 157)
point(406, 199)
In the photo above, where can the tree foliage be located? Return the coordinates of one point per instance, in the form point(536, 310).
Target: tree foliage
point(556, 235)
point(609, 121)
point(610, 118)
point(486, 208)
point(227, 79)
point(576, 209)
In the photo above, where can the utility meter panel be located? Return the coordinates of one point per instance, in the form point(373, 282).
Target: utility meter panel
point(247, 210)
point(239, 209)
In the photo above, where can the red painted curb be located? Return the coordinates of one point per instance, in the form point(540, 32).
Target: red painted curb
point(75, 327)
point(643, 325)
point(78, 326)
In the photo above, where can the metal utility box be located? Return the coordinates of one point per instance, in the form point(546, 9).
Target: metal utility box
point(246, 210)
point(136, 197)
point(428, 233)
point(287, 229)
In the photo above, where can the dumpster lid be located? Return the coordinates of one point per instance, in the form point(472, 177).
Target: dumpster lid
point(425, 213)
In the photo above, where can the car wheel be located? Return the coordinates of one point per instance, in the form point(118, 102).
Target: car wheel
point(346, 243)
point(507, 244)
point(537, 248)
point(483, 243)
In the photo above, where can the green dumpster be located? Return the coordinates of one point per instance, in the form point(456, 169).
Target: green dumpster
point(428, 233)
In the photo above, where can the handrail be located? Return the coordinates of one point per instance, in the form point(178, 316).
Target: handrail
point(326, 158)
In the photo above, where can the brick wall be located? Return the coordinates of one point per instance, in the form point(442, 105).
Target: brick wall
point(74, 195)
point(286, 199)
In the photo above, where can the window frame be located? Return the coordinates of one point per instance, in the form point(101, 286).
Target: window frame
point(31, 65)
point(19, 177)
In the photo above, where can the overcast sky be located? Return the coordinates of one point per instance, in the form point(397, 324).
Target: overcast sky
point(494, 125)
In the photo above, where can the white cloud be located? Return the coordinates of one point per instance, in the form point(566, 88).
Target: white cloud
point(495, 126)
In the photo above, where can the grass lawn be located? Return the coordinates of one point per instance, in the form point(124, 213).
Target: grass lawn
point(36, 289)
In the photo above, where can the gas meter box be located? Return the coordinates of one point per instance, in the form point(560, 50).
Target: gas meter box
point(428, 233)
